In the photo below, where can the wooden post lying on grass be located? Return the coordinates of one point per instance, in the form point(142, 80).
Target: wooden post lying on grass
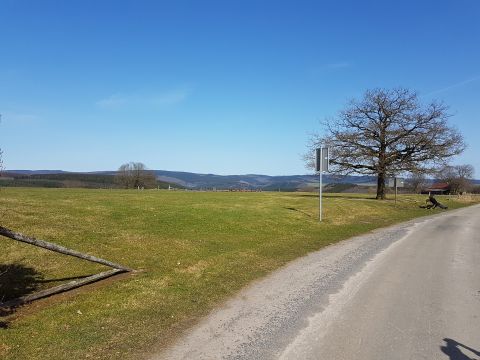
point(57, 248)
point(117, 268)
point(60, 288)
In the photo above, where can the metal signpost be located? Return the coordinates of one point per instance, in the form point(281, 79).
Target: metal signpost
point(396, 183)
point(322, 157)
point(396, 190)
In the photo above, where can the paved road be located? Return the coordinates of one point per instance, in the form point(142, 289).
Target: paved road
point(407, 292)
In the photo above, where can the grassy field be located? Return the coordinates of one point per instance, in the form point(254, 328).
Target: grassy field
point(193, 250)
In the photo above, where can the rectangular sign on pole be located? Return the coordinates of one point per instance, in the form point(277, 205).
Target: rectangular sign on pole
point(325, 159)
point(322, 160)
point(318, 156)
point(392, 181)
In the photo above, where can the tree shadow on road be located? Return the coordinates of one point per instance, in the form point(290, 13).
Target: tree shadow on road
point(453, 350)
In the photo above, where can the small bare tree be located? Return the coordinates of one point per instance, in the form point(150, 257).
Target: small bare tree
point(387, 133)
point(459, 177)
point(416, 182)
point(134, 175)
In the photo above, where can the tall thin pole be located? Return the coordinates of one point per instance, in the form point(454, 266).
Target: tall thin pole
point(396, 191)
point(320, 187)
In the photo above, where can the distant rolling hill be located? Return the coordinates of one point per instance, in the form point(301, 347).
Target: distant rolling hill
point(35, 172)
point(194, 181)
point(253, 181)
point(182, 179)
point(62, 179)
point(264, 182)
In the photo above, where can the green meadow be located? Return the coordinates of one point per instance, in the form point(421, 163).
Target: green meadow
point(191, 250)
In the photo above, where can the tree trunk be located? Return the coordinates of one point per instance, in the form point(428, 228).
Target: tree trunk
point(60, 288)
point(382, 166)
point(381, 186)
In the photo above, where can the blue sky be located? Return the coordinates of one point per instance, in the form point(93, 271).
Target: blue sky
point(228, 87)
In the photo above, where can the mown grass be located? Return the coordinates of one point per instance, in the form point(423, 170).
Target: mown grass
point(194, 250)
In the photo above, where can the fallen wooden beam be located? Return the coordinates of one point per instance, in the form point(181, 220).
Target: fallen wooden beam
point(60, 288)
point(117, 268)
point(57, 248)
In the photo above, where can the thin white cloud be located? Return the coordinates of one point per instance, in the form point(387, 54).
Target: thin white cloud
point(171, 97)
point(18, 118)
point(453, 86)
point(167, 98)
point(112, 101)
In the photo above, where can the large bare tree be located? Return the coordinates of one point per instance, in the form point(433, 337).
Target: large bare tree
point(134, 175)
point(389, 132)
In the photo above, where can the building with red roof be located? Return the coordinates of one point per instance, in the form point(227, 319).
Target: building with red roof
point(438, 189)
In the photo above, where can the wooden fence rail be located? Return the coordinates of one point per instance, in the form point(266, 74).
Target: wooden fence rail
point(117, 268)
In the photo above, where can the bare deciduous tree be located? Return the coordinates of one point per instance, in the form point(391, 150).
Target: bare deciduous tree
point(416, 182)
point(387, 133)
point(459, 177)
point(134, 175)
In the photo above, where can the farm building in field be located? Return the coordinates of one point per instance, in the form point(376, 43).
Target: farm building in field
point(438, 189)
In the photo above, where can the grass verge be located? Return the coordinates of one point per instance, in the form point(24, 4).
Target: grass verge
point(193, 249)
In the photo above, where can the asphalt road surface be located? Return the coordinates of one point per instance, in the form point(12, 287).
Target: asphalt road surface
point(411, 291)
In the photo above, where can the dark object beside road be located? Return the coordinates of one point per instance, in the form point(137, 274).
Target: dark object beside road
point(432, 203)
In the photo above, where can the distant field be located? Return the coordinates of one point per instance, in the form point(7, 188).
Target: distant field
point(194, 250)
